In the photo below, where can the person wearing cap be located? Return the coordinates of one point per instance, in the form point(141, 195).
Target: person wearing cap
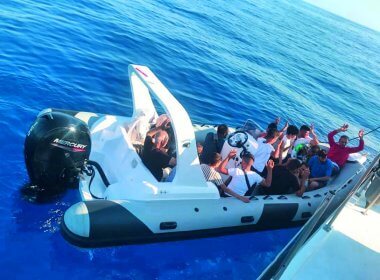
point(320, 170)
point(338, 152)
point(211, 175)
point(244, 179)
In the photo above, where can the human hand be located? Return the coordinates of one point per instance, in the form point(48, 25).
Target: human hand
point(312, 128)
point(297, 172)
point(285, 127)
point(344, 127)
point(244, 199)
point(162, 121)
point(165, 150)
point(270, 164)
point(305, 173)
point(361, 133)
point(165, 124)
point(232, 154)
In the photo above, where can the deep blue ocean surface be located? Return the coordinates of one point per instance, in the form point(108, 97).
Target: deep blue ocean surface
point(225, 61)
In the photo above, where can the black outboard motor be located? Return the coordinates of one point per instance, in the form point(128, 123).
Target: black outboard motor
point(56, 148)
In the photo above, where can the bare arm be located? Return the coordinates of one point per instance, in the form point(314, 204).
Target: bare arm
point(302, 189)
point(268, 181)
point(304, 177)
point(325, 178)
point(234, 194)
point(222, 166)
point(282, 148)
point(276, 151)
point(315, 137)
point(284, 128)
point(361, 143)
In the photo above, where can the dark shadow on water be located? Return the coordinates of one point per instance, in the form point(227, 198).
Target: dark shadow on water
point(40, 195)
point(39, 212)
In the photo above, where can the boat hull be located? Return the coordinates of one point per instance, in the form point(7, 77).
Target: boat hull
point(99, 223)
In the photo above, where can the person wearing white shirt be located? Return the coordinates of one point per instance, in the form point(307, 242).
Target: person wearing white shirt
point(287, 143)
point(265, 150)
point(304, 138)
point(211, 175)
point(243, 179)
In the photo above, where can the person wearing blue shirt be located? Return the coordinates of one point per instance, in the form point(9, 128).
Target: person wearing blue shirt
point(320, 170)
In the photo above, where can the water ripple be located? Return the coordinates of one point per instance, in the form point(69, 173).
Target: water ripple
point(224, 62)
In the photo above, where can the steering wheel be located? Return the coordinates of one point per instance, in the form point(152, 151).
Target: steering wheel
point(237, 139)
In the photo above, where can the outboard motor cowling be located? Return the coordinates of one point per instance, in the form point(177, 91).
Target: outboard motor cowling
point(56, 148)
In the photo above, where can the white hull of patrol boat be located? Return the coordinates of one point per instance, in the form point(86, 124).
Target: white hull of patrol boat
point(124, 203)
point(345, 245)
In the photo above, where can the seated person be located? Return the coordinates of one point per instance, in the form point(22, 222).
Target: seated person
point(269, 127)
point(338, 152)
point(213, 143)
point(275, 125)
point(155, 156)
point(312, 151)
point(211, 175)
point(287, 143)
point(199, 149)
point(285, 179)
point(300, 152)
point(304, 169)
point(162, 120)
point(264, 151)
point(244, 179)
point(320, 170)
point(304, 138)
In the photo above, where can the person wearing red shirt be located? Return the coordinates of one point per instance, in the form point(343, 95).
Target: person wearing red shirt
point(338, 152)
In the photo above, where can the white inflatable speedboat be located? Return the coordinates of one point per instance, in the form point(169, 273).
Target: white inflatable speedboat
point(123, 203)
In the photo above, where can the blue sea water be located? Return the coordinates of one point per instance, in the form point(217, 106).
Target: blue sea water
point(225, 61)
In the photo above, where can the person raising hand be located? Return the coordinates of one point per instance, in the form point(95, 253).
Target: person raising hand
point(339, 151)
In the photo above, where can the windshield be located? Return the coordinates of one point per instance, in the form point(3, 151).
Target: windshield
point(251, 127)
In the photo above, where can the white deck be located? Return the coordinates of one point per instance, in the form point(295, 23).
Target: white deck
point(350, 250)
